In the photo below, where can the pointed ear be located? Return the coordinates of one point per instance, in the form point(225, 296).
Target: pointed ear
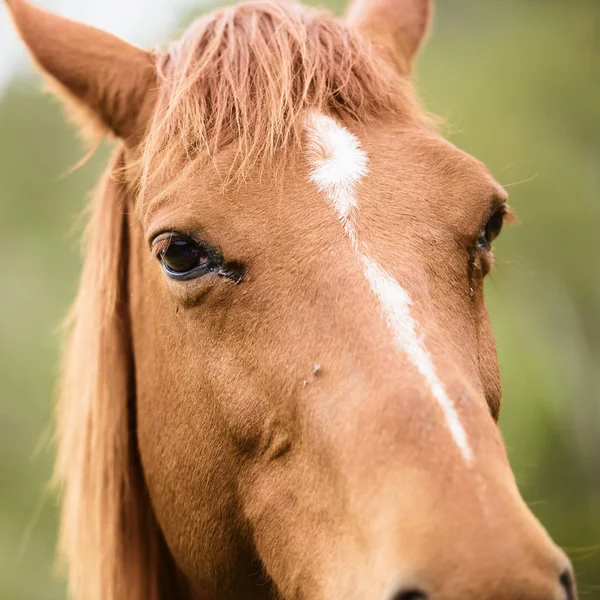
point(113, 81)
point(397, 28)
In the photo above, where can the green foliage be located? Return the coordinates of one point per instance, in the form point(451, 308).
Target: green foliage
point(519, 83)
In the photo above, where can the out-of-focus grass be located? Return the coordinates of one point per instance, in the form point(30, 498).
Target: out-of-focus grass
point(38, 213)
point(519, 83)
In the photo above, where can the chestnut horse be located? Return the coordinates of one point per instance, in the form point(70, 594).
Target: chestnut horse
point(282, 381)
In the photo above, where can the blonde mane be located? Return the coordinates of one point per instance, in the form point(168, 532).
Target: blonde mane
point(246, 75)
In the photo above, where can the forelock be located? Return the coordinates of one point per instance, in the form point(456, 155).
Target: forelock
point(247, 75)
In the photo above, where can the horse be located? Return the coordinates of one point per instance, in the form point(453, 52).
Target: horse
point(281, 380)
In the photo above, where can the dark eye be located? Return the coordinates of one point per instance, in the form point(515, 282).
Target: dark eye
point(184, 258)
point(492, 229)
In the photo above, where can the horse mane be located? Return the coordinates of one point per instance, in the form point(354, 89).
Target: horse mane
point(245, 77)
point(108, 536)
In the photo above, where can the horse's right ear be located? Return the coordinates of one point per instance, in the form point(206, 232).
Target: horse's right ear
point(112, 80)
point(397, 28)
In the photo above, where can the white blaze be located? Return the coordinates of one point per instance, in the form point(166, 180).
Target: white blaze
point(338, 164)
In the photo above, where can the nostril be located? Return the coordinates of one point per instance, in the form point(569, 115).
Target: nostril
point(566, 581)
point(411, 594)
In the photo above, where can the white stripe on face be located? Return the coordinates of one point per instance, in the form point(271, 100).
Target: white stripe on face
point(338, 164)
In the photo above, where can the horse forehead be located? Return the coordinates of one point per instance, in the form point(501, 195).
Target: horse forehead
point(417, 162)
point(337, 155)
point(419, 157)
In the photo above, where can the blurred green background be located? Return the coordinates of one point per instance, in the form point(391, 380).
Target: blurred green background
point(519, 84)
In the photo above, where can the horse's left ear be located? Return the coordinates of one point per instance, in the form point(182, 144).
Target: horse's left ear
point(397, 28)
point(113, 81)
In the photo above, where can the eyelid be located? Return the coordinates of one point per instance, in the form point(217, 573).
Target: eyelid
point(501, 203)
point(160, 245)
point(496, 207)
point(161, 241)
point(167, 235)
point(166, 228)
point(508, 216)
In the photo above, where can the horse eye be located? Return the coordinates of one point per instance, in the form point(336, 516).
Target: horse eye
point(492, 229)
point(181, 255)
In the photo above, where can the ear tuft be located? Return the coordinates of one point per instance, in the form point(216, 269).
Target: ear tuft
point(398, 28)
point(105, 76)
